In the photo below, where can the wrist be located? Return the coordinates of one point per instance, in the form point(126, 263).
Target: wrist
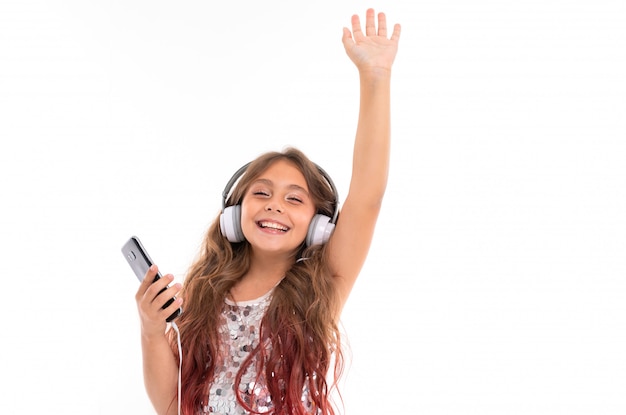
point(375, 78)
point(153, 337)
point(375, 73)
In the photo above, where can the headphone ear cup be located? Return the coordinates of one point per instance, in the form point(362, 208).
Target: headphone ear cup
point(230, 224)
point(320, 230)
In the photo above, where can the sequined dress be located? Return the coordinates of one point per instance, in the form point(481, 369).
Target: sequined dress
point(239, 330)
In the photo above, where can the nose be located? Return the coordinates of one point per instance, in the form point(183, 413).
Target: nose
point(272, 205)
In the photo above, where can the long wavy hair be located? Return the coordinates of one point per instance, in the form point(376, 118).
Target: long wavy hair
point(301, 322)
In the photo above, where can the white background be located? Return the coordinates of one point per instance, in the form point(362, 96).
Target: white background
point(496, 283)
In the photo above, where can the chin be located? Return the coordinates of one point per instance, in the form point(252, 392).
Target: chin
point(274, 247)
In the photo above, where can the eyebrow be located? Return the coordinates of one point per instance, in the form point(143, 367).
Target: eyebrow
point(294, 186)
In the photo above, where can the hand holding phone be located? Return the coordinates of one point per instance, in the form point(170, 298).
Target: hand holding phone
point(140, 262)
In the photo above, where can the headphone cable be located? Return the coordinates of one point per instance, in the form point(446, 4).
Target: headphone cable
point(180, 362)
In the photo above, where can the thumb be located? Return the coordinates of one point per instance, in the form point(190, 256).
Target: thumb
point(346, 39)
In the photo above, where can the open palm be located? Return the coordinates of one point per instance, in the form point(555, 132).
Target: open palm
point(371, 50)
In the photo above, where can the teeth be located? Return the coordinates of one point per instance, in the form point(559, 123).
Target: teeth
point(273, 226)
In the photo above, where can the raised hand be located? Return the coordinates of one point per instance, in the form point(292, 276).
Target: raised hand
point(372, 50)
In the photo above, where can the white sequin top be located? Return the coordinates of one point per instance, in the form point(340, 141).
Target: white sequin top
point(239, 329)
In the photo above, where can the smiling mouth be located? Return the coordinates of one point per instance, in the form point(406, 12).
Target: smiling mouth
point(273, 225)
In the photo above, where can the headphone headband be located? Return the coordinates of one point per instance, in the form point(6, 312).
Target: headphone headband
point(240, 172)
point(232, 182)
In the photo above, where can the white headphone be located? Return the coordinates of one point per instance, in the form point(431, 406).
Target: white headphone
point(320, 228)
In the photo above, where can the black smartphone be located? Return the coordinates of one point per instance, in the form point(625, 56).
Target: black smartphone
point(139, 260)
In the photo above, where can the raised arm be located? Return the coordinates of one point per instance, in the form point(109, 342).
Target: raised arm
point(373, 53)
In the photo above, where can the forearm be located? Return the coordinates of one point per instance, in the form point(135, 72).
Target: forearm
point(372, 141)
point(160, 371)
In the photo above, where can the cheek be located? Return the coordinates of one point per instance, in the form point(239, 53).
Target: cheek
point(305, 218)
point(247, 210)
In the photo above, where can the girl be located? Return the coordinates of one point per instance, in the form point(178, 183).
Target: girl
point(261, 308)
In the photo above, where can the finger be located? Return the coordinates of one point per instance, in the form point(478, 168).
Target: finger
point(171, 309)
point(347, 38)
point(148, 278)
point(382, 25)
point(370, 26)
point(356, 26)
point(395, 36)
point(154, 291)
point(168, 294)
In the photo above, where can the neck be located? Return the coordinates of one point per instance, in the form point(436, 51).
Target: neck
point(270, 268)
point(265, 273)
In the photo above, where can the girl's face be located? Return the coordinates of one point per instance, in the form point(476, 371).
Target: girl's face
point(277, 209)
